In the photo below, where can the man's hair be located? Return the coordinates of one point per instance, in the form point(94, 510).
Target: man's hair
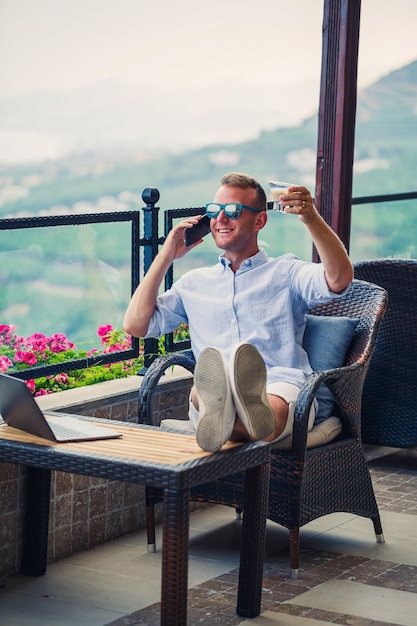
point(239, 179)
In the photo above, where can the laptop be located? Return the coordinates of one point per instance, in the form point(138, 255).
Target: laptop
point(19, 409)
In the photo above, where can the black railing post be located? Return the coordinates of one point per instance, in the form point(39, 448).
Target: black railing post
point(150, 196)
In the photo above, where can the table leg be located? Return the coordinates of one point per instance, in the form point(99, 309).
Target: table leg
point(175, 534)
point(252, 550)
point(35, 543)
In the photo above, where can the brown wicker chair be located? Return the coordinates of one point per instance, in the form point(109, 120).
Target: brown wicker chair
point(389, 400)
point(306, 483)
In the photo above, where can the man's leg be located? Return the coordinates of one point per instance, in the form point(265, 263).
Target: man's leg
point(282, 398)
point(279, 407)
point(248, 384)
point(220, 397)
point(280, 410)
point(283, 409)
point(215, 402)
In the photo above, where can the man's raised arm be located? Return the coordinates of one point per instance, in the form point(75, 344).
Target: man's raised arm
point(337, 265)
point(143, 302)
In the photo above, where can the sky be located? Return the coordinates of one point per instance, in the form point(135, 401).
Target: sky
point(178, 45)
point(56, 44)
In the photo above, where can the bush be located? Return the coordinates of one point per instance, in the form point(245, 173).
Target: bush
point(18, 353)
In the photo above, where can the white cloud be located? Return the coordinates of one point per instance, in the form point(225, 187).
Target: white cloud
point(302, 160)
point(367, 165)
point(224, 157)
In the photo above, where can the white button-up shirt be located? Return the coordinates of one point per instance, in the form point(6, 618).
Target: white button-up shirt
point(263, 303)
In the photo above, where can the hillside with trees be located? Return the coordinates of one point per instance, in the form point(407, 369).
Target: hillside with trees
point(385, 162)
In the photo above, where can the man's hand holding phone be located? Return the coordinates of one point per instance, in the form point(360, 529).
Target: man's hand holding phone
point(197, 232)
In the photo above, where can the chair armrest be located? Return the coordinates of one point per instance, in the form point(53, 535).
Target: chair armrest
point(150, 381)
point(346, 385)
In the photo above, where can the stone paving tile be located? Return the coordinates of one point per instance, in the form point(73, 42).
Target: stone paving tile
point(214, 602)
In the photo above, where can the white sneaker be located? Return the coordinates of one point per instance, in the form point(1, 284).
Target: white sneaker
point(248, 383)
point(216, 409)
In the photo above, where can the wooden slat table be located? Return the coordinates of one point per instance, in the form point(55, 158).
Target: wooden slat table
point(169, 461)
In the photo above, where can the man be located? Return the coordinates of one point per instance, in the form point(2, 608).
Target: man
point(245, 314)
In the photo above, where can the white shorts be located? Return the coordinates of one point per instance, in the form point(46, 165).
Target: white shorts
point(288, 392)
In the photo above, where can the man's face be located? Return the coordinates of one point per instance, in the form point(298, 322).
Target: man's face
point(240, 234)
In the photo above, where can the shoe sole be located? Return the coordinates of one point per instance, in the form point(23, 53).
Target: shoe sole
point(248, 385)
point(217, 414)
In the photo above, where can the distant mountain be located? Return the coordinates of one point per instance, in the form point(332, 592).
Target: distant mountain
point(386, 154)
point(387, 110)
point(115, 115)
point(110, 179)
point(395, 93)
point(386, 134)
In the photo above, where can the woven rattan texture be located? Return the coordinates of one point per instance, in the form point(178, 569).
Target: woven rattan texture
point(179, 464)
point(104, 461)
point(308, 483)
point(389, 415)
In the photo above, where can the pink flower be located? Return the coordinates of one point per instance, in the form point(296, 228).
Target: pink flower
point(104, 332)
point(36, 336)
point(57, 338)
point(43, 392)
point(5, 363)
point(115, 348)
point(25, 357)
point(5, 329)
point(38, 344)
point(19, 356)
point(59, 343)
point(7, 337)
point(61, 379)
point(30, 358)
point(30, 384)
point(35, 339)
point(56, 346)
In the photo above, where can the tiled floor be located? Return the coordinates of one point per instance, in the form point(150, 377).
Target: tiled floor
point(346, 577)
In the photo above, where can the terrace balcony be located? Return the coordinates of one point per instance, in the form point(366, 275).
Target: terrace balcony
point(345, 576)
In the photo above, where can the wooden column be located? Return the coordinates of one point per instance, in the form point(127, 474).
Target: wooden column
point(337, 114)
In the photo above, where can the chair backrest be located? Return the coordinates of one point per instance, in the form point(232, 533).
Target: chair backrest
point(389, 401)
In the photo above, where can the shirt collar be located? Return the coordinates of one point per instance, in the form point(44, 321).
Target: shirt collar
point(253, 261)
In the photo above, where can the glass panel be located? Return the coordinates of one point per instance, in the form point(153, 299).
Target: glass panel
point(384, 229)
point(73, 280)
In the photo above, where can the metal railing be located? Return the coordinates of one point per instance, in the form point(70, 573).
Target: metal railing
point(393, 197)
point(26, 241)
point(150, 242)
point(151, 228)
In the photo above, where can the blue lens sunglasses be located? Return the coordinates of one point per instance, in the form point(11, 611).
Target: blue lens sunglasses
point(231, 209)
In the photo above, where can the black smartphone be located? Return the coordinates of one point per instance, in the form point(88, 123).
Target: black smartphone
point(198, 231)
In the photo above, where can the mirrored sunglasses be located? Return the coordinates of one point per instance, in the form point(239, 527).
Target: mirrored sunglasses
point(231, 210)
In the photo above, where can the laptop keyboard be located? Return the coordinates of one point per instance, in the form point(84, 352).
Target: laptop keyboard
point(64, 432)
point(68, 427)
